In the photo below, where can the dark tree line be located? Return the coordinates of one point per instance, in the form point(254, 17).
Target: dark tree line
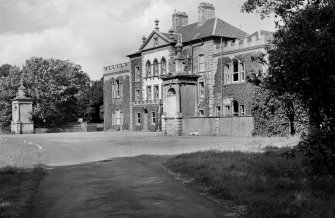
point(60, 90)
point(301, 65)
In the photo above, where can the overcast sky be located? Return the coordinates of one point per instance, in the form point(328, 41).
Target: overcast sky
point(97, 33)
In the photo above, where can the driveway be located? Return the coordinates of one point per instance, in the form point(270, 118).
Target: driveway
point(59, 149)
point(120, 187)
point(113, 174)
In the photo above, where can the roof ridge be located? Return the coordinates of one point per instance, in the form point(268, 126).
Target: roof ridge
point(214, 26)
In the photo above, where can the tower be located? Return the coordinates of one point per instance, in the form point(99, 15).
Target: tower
point(22, 108)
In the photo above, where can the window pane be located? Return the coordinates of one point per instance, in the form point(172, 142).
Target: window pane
point(235, 77)
point(149, 93)
point(163, 67)
point(235, 65)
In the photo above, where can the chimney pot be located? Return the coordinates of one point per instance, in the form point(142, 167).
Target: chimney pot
point(206, 11)
point(179, 19)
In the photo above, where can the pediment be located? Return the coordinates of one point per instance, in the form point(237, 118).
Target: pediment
point(155, 39)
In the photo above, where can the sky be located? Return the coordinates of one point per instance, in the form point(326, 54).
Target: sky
point(98, 33)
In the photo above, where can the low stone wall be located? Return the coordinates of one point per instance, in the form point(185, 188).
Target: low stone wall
point(226, 126)
point(73, 127)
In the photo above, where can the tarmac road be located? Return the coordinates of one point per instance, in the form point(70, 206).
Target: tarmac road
point(81, 183)
point(120, 187)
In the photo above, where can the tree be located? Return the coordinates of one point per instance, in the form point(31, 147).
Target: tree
point(301, 64)
point(9, 84)
point(93, 110)
point(4, 70)
point(56, 87)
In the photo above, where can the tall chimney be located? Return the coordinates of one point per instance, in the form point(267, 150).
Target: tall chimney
point(179, 19)
point(206, 11)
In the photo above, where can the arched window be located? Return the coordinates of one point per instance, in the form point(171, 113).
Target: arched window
point(155, 66)
point(235, 108)
point(163, 66)
point(118, 88)
point(137, 73)
point(171, 91)
point(117, 117)
point(148, 69)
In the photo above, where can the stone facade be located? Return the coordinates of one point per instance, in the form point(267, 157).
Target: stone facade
point(217, 54)
point(117, 97)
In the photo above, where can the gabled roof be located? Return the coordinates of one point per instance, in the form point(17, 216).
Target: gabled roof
point(163, 36)
point(212, 27)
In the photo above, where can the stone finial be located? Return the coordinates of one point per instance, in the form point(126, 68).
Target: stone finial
point(179, 59)
point(179, 47)
point(156, 24)
point(22, 89)
point(143, 38)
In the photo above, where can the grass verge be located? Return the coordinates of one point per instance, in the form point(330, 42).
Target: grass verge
point(258, 184)
point(17, 189)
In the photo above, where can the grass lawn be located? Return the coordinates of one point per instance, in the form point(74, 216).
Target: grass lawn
point(257, 184)
point(17, 189)
point(20, 176)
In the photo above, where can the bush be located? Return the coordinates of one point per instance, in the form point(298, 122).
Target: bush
point(319, 152)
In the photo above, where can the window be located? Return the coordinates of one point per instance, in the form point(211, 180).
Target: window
point(117, 117)
point(156, 92)
point(148, 69)
point(201, 62)
point(149, 93)
point(201, 113)
point(118, 87)
point(163, 66)
point(153, 117)
point(201, 89)
point(121, 118)
point(155, 67)
point(138, 118)
point(235, 108)
point(227, 111)
point(113, 90)
point(242, 112)
point(242, 72)
point(218, 111)
point(228, 78)
point(235, 72)
point(137, 95)
point(137, 73)
point(227, 72)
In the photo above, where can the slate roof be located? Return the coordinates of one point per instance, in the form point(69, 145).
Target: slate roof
point(190, 32)
point(212, 27)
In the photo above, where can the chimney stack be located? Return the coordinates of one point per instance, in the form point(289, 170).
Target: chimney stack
point(179, 19)
point(206, 11)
